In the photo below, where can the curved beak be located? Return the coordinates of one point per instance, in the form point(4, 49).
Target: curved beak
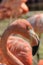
point(34, 36)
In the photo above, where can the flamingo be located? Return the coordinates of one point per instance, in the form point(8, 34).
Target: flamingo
point(15, 8)
point(37, 22)
point(21, 27)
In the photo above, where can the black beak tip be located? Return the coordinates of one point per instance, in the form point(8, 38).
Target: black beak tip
point(35, 48)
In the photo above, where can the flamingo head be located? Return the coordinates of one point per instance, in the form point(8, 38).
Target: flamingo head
point(27, 30)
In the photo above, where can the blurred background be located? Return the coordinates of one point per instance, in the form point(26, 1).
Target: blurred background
point(35, 5)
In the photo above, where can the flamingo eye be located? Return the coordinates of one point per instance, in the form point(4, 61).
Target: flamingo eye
point(27, 28)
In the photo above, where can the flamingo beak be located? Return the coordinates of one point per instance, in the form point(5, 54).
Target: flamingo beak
point(35, 45)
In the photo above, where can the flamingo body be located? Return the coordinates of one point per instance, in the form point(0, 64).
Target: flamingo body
point(21, 49)
point(12, 8)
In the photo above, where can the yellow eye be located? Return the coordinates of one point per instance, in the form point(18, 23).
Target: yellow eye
point(28, 28)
